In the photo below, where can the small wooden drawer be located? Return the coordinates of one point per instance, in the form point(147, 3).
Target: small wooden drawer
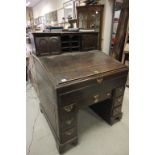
point(117, 110)
point(118, 101)
point(119, 91)
point(68, 123)
point(115, 118)
point(69, 108)
point(68, 134)
point(69, 98)
point(68, 111)
point(100, 97)
point(94, 98)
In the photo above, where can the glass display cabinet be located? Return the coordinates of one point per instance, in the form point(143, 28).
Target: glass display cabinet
point(91, 17)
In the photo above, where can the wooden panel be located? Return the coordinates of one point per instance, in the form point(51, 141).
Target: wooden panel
point(68, 135)
point(119, 91)
point(89, 42)
point(118, 101)
point(117, 110)
point(54, 45)
point(42, 45)
point(97, 77)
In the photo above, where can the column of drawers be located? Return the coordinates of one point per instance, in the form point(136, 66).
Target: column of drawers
point(117, 101)
point(68, 122)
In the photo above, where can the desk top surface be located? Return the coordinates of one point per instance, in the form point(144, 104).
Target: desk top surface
point(70, 67)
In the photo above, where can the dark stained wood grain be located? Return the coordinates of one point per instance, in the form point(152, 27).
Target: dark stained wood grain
point(56, 43)
point(68, 82)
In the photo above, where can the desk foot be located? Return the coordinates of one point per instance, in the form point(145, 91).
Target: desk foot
point(62, 148)
point(114, 119)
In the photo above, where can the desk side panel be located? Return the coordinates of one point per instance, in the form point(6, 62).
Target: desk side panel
point(47, 96)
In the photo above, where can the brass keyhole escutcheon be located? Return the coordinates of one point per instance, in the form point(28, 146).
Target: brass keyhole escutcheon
point(96, 98)
point(68, 133)
point(100, 80)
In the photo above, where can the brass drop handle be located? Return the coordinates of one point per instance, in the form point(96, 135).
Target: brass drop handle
point(69, 122)
point(96, 98)
point(100, 80)
point(121, 89)
point(119, 99)
point(108, 94)
point(68, 108)
point(70, 132)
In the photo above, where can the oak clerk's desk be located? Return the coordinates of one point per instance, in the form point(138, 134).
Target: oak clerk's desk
point(71, 81)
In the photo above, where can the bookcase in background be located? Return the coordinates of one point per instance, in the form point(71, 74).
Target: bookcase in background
point(91, 17)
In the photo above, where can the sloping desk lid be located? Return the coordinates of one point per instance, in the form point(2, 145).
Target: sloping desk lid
point(73, 66)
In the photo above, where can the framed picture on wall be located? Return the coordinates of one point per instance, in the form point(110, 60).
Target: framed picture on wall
point(36, 21)
point(50, 16)
point(54, 16)
point(68, 10)
point(60, 14)
point(47, 17)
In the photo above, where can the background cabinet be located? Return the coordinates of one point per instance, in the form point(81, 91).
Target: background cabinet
point(42, 45)
point(56, 43)
point(48, 45)
point(89, 42)
point(91, 17)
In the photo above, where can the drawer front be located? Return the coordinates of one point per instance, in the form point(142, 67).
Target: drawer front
point(118, 101)
point(94, 98)
point(54, 45)
point(68, 134)
point(119, 91)
point(88, 95)
point(89, 42)
point(68, 123)
point(42, 44)
point(117, 110)
point(88, 89)
point(68, 111)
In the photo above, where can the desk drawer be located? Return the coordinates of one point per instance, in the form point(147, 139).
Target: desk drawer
point(118, 101)
point(119, 91)
point(68, 134)
point(68, 123)
point(117, 110)
point(89, 89)
point(92, 94)
point(94, 98)
point(68, 109)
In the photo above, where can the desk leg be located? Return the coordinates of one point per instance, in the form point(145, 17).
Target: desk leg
point(68, 135)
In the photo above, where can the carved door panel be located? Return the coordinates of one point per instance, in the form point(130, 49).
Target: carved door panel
point(89, 42)
point(54, 45)
point(42, 45)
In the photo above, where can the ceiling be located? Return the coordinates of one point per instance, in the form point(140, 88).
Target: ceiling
point(32, 2)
